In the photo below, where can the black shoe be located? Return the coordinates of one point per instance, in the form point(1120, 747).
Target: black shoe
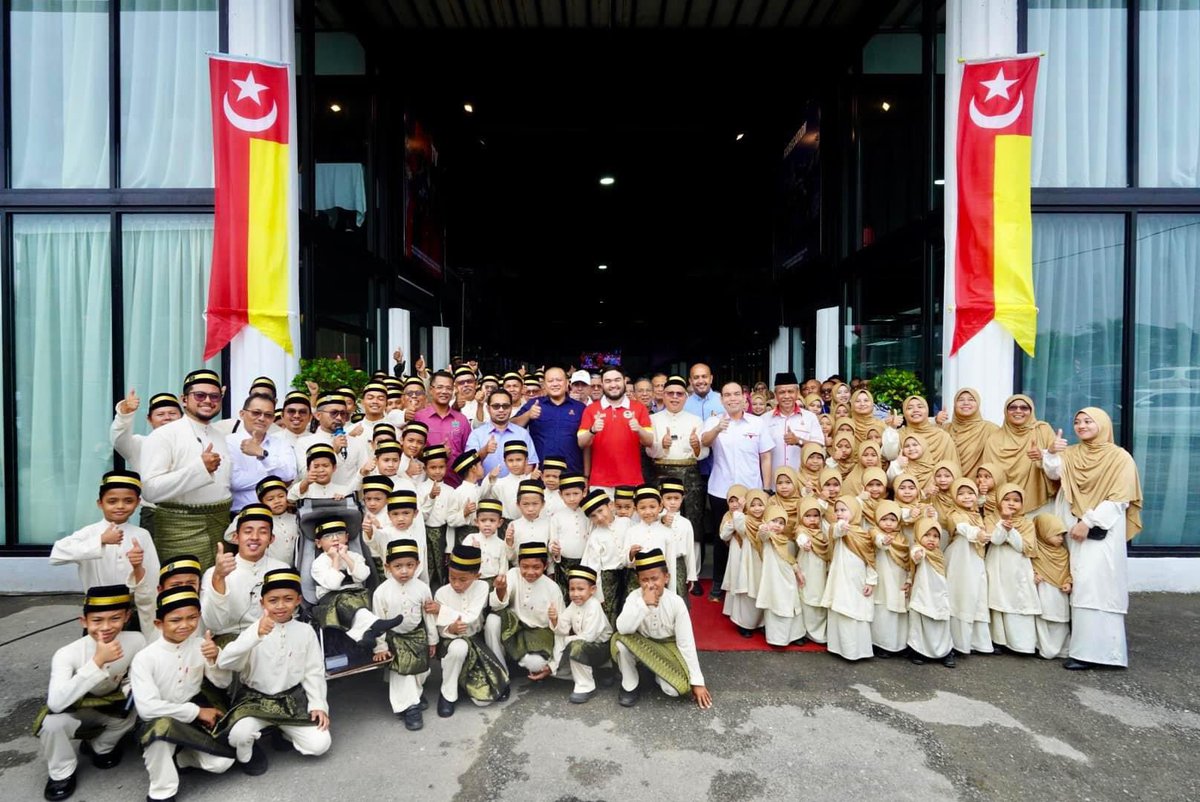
point(882, 654)
point(627, 698)
point(59, 789)
point(504, 693)
point(413, 720)
point(745, 633)
point(916, 659)
point(715, 596)
point(377, 630)
point(799, 641)
point(257, 764)
point(164, 799)
point(445, 708)
point(607, 679)
point(108, 760)
point(423, 704)
point(1071, 664)
point(278, 742)
point(949, 660)
point(580, 698)
point(697, 590)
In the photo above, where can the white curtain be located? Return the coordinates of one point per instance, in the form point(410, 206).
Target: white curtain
point(166, 125)
point(1078, 269)
point(63, 341)
point(1079, 114)
point(59, 84)
point(164, 283)
point(1169, 93)
point(1167, 377)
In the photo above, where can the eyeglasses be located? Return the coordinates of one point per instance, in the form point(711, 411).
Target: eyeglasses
point(414, 394)
point(500, 406)
point(214, 397)
point(1019, 408)
point(296, 411)
point(675, 393)
point(257, 414)
point(335, 413)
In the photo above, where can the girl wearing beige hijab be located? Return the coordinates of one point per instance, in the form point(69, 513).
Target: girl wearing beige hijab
point(968, 430)
point(862, 415)
point(929, 606)
point(779, 588)
point(938, 443)
point(1101, 503)
point(1052, 575)
point(970, 618)
point(815, 550)
point(733, 532)
point(739, 602)
point(850, 584)
point(1012, 593)
point(889, 625)
point(1017, 448)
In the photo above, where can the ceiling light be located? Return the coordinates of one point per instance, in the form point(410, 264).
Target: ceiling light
point(468, 108)
point(738, 138)
point(607, 181)
point(939, 182)
point(602, 267)
point(334, 107)
point(885, 105)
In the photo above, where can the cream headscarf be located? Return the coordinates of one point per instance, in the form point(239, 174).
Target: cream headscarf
point(1098, 470)
point(938, 443)
point(1008, 447)
point(857, 539)
point(1029, 543)
point(934, 556)
point(780, 540)
point(1052, 562)
point(970, 434)
point(898, 551)
point(971, 517)
point(822, 546)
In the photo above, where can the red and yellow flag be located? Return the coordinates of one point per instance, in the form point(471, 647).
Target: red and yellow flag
point(993, 262)
point(252, 173)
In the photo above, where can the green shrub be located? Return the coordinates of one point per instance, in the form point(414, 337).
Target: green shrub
point(329, 374)
point(893, 385)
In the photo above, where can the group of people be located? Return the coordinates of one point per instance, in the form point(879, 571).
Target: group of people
point(554, 522)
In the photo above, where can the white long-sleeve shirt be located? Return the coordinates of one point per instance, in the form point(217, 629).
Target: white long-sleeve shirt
point(493, 553)
point(683, 539)
point(315, 490)
point(238, 607)
point(467, 491)
point(470, 606)
point(529, 600)
point(569, 529)
point(105, 564)
point(668, 619)
point(172, 468)
point(408, 599)
point(505, 490)
point(247, 470)
point(585, 622)
point(435, 510)
point(681, 425)
point(605, 550)
point(74, 674)
point(346, 471)
point(166, 676)
point(287, 656)
point(329, 579)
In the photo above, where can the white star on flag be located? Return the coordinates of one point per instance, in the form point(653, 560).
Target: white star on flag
point(249, 88)
point(998, 86)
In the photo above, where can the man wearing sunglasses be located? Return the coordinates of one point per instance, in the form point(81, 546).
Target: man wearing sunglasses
point(255, 453)
point(489, 439)
point(186, 473)
point(332, 415)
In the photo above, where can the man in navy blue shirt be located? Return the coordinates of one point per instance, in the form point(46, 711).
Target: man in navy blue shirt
point(553, 420)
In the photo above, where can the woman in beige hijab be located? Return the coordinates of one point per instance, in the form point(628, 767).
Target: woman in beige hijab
point(968, 430)
point(1017, 448)
point(938, 443)
point(1100, 500)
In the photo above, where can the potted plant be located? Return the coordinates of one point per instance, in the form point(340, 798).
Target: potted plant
point(891, 386)
point(329, 374)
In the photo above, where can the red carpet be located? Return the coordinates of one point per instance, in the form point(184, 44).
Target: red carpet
point(716, 633)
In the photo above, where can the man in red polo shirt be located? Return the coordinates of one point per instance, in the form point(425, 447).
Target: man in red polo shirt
point(616, 428)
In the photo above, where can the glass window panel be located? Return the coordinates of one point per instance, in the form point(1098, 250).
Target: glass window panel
point(1079, 135)
point(164, 275)
point(59, 87)
point(166, 124)
point(1168, 86)
point(63, 351)
point(1078, 277)
point(1166, 407)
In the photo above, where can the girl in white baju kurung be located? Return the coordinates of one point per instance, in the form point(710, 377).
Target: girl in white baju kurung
point(874, 491)
point(1012, 594)
point(1101, 501)
point(742, 608)
point(779, 589)
point(929, 608)
point(889, 624)
point(851, 581)
point(815, 550)
point(1052, 575)
point(966, 573)
point(733, 532)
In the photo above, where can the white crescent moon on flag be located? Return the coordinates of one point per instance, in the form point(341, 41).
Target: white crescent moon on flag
point(977, 116)
point(251, 125)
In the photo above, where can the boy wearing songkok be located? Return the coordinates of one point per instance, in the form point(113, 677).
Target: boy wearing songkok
point(464, 499)
point(605, 552)
point(654, 629)
point(552, 470)
point(521, 600)
point(493, 550)
point(516, 459)
point(583, 631)
point(231, 589)
point(404, 522)
point(113, 551)
point(623, 505)
point(929, 607)
point(413, 438)
point(568, 527)
point(318, 482)
point(375, 492)
point(531, 526)
point(282, 678)
point(408, 646)
point(342, 599)
point(647, 532)
point(388, 456)
point(272, 493)
point(89, 690)
point(166, 679)
point(182, 572)
point(460, 607)
point(433, 501)
point(683, 537)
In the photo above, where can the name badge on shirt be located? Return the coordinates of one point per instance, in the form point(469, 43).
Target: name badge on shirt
point(628, 414)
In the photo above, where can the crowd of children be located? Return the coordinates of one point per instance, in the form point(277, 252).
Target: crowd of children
point(878, 544)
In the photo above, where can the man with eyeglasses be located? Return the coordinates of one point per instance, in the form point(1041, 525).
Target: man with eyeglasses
point(447, 426)
point(352, 452)
point(297, 417)
point(488, 440)
point(466, 388)
point(255, 453)
point(677, 452)
point(186, 473)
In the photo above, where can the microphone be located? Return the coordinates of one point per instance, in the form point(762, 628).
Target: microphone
point(340, 432)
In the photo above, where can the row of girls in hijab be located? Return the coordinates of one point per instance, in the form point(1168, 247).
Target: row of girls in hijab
point(910, 535)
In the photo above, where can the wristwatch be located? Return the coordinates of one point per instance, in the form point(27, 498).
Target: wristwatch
point(265, 454)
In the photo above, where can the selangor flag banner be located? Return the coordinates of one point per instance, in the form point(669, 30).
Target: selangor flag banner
point(993, 261)
point(249, 281)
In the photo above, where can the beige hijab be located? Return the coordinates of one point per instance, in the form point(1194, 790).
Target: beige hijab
point(854, 482)
point(943, 501)
point(738, 492)
point(790, 504)
point(1008, 447)
point(970, 434)
point(987, 501)
point(938, 443)
point(1052, 562)
point(822, 546)
point(863, 423)
point(753, 523)
point(971, 517)
point(870, 505)
point(898, 551)
point(1029, 542)
point(934, 557)
point(857, 539)
point(780, 540)
point(1098, 470)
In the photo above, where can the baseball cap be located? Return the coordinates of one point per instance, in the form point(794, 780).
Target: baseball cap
point(581, 376)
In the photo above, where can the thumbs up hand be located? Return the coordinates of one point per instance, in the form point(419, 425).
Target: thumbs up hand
point(208, 647)
point(633, 422)
point(225, 563)
point(666, 441)
point(490, 446)
point(211, 459)
point(724, 424)
point(129, 403)
point(112, 536)
point(136, 554)
point(694, 441)
point(535, 411)
point(1034, 453)
point(265, 625)
point(598, 424)
point(1059, 444)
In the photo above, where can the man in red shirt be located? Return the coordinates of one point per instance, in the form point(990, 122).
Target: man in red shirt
point(616, 428)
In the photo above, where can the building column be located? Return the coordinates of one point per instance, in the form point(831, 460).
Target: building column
point(974, 29)
point(265, 29)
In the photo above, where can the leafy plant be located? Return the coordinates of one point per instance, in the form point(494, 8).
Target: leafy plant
point(329, 374)
point(891, 386)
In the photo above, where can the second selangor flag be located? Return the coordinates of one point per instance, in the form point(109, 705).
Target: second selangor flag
point(252, 175)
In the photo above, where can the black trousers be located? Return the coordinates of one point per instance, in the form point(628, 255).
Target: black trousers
point(717, 507)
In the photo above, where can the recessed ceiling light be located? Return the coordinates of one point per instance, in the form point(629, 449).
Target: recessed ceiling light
point(939, 182)
point(334, 107)
point(885, 105)
point(738, 138)
point(468, 108)
point(602, 267)
point(607, 181)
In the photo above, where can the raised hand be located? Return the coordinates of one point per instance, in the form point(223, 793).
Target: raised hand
point(666, 441)
point(107, 653)
point(598, 424)
point(225, 563)
point(436, 490)
point(1034, 453)
point(357, 431)
point(510, 534)
point(136, 554)
point(694, 441)
point(500, 585)
point(489, 447)
point(251, 447)
point(942, 418)
point(535, 411)
point(112, 536)
point(1059, 444)
point(211, 459)
point(552, 614)
point(633, 423)
point(468, 508)
point(129, 403)
point(208, 647)
point(724, 424)
point(265, 625)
